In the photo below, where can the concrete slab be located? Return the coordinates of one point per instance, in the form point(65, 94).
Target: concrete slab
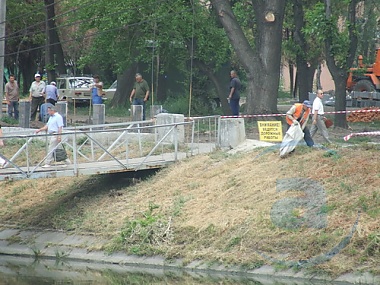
point(75, 240)
point(249, 145)
point(50, 237)
point(232, 132)
point(7, 233)
point(28, 235)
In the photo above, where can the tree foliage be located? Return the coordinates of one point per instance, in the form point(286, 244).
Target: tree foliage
point(25, 37)
point(120, 34)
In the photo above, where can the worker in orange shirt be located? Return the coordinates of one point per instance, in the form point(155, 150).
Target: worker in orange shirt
point(299, 114)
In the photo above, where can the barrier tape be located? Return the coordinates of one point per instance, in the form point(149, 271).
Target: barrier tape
point(276, 115)
point(252, 116)
point(366, 134)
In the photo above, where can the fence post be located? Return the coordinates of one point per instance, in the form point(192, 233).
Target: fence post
point(99, 114)
point(137, 113)
point(24, 114)
point(62, 110)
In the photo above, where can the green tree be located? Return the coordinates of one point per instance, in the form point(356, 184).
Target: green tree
point(54, 58)
point(261, 60)
point(369, 27)
point(301, 49)
point(334, 24)
point(25, 37)
point(149, 37)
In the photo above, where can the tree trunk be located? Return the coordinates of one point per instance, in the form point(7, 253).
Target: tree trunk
point(340, 101)
point(339, 73)
point(291, 77)
point(305, 69)
point(266, 68)
point(58, 51)
point(319, 72)
point(54, 57)
point(262, 64)
point(125, 83)
point(219, 86)
point(49, 51)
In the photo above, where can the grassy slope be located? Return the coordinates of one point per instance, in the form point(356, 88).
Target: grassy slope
point(217, 207)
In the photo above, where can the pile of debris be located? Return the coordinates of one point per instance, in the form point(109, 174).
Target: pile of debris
point(366, 115)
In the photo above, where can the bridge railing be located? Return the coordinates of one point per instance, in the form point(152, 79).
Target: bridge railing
point(128, 145)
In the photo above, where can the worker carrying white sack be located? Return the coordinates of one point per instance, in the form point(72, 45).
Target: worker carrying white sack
point(297, 118)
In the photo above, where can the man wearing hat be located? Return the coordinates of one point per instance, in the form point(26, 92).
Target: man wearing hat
point(54, 127)
point(51, 92)
point(36, 95)
point(299, 114)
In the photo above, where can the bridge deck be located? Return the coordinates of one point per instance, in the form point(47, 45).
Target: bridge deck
point(101, 167)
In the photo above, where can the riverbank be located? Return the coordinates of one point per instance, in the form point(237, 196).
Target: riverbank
point(314, 213)
point(71, 251)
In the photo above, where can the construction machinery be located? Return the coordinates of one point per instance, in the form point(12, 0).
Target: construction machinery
point(365, 77)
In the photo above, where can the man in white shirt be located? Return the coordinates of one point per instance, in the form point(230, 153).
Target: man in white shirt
point(53, 126)
point(36, 95)
point(319, 118)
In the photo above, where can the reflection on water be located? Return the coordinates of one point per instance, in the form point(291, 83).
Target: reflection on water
point(26, 271)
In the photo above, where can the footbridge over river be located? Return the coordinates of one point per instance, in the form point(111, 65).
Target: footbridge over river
point(109, 148)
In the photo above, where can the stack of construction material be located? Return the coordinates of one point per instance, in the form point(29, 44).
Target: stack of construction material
point(366, 115)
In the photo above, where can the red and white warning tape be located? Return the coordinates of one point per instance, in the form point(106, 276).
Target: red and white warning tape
point(277, 115)
point(253, 116)
point(365, 134)
point(354, 111)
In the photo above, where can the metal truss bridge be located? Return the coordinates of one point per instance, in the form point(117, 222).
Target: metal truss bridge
point(108, 148)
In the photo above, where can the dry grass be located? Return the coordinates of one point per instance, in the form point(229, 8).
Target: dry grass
point(217, 207)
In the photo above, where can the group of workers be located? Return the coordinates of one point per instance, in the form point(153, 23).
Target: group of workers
point(299, 113)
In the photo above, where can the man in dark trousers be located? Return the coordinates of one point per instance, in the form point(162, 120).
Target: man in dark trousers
point(234, 95)
point(299, 114)
point(140, 92)
point(36, 95)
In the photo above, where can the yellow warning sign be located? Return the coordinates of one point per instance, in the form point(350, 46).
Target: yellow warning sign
point(270, 131)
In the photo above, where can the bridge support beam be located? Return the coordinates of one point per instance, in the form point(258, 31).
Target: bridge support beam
point(232, 132)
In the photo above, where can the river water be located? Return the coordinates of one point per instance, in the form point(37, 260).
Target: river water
point(27, 271)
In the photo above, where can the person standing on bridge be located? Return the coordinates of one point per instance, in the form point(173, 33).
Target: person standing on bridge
point(234, 95)
point(140, 92)
point(53, 126)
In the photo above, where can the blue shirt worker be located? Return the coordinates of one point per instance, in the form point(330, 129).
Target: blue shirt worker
point(97, 90)
point(54, 127)
point(234, 95)
point(51, 92)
